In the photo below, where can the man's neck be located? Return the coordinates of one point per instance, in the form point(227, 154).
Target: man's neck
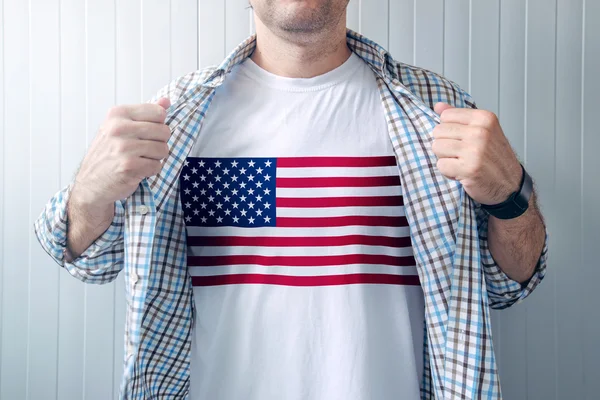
point(300, 55)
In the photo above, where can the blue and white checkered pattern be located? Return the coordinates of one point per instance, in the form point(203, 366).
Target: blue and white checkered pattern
point(459, 277)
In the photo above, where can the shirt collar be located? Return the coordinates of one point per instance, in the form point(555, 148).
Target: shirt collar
point(370, 52)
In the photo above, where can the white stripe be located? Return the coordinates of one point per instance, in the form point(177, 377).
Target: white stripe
point(339, 192)
point(299, 232)
point(288, 251)
point(302, 271)
point(340, 211)
point(336, 172)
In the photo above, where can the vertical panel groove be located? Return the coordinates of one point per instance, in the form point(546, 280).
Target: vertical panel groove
point(59, 99)
point(30, 66)
point(2, 172)
point(555, 283)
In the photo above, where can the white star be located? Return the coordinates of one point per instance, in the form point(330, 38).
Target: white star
point(267, 191)
point(259, 170)
point(251, 163)
point(226, 198)
point(243, 198)
point(251, 220)
point(211, 198)
point(258, 212)
point(267, 177)
point(236, 219)
point(242, 170)
point(234, 164)
point(250, 177)
point(226, 185)
point(258, 184)
point(267, 205)
point(218, 192)
point(194, 170)
point(195, 184)
point(195, 198)
point(202, 178)
point(218, 178)
point(234, 192)
point(187, 191)
point(201, 164)
point(226, 171)
point(211, 213)
point(187, 205)
point(259, 198)
point(210, 171)
point(250, 191)
point(267, 219)
point(219, 205)
point(243, 185)
point(196, 212)
point(188, 219)
point(186, 177)
point(243, 212)
point(267, 164)
point(219, 219)
point(204, 220)
point(186, 163)
point(203, 192)
point(210, 185)
point(234, 178)
point(218, 164)
point(235, 205)
point(251, 205)
point(227, 212)
point(203, 205)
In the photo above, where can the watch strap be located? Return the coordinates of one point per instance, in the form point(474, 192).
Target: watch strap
point(517, 203)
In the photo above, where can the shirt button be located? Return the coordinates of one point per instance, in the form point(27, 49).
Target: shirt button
point(144, 209)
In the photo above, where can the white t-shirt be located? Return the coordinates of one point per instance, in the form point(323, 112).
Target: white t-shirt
point(304, 279)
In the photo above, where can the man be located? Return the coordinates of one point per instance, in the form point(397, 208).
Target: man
point(305, 221)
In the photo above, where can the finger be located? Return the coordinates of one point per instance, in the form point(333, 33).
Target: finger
point(449, 167)
point(464, 116)
point(146, 113)
point(145, 167)
point(449, 130)
point(441, 107)
point(151, 149)
point(164, 103)
point(149, 131)
point(447, 148)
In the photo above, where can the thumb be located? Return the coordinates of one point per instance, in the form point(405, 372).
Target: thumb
point(441, 107)
point(164, 102)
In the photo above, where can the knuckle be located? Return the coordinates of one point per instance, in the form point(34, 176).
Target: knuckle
point(114, 112)
point(165, 150)
point(489, 118)
point(128, 166)
point(117, 128)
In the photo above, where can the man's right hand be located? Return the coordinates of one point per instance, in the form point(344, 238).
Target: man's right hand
point(128, 148)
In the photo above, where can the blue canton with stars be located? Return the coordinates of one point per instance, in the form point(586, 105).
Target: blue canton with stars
point(228, 191)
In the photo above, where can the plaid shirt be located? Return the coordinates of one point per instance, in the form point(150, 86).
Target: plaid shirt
point(146, 240)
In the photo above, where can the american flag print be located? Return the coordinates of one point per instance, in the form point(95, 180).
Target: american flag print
point(304, 221)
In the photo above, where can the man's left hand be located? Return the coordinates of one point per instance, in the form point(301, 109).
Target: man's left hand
point(472, 149)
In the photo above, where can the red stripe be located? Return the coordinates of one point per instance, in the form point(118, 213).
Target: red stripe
point(307, 162)
point(346, 181)
point(292, 222)
point(286, 280)
point(317, 202)
point(299, 241)
point(300, 261)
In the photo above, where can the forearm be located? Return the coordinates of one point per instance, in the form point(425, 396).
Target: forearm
point(516, 244)
point(87, 221)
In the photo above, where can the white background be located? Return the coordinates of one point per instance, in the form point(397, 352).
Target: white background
point(63, 63)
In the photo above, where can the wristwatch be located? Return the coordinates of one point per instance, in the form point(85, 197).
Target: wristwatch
point(516, 204)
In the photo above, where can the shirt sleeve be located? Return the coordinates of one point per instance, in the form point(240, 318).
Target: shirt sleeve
point(503, 291)
point(101, 262)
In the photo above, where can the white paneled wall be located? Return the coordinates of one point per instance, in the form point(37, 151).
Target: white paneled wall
point(63, 63)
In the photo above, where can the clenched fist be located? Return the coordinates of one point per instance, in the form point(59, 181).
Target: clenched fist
point(128, 148)
point(471, 148)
